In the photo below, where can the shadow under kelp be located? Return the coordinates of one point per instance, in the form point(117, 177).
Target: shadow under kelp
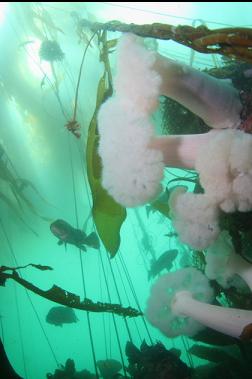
point(227, 362)
point(7, 371)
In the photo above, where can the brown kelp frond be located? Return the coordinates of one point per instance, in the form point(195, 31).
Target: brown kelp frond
point(231, 42)
point(15, 211)
point(108, 215)
point(16, 199)
point(39, 267)
point(72, 125)
point(69, 299)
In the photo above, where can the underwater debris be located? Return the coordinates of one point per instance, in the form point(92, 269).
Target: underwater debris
point(50, 51)
point(155, 361)
point(61, 315)
point(67, 234)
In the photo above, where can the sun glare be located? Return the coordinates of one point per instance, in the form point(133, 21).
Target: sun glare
point(37, 67)
point(143, 13)
point(3, 7)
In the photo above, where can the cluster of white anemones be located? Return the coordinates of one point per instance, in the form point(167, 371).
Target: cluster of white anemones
point(179, 302)
point(133, 157)
point(224, 164)
point(133, 160)
point(131, 171)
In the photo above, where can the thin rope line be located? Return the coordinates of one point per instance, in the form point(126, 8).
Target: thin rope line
point(80, 257)
point(135, 296)
point(163, 14)
point(27, 293)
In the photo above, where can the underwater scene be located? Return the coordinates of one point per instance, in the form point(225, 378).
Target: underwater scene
point(125, 190)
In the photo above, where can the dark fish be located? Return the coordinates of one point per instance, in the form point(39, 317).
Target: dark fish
point(67, 234)
point(171, 234)
point(163, 262)
point(61, 315)
point(109, 368)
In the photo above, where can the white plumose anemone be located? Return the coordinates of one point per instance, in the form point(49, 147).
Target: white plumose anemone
point(178, 305)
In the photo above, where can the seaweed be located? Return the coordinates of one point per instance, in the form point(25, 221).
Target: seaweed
point(230, 42)
point(14, 197)
point(63, 297)
point(108, 215)
point(50, 51)
point(231, 363)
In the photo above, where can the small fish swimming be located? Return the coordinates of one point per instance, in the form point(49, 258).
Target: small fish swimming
point(163, 262)
point(61, 315)
point(67, 234)
point(171, 234)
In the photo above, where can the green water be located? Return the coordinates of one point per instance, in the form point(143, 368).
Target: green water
point(37, 100)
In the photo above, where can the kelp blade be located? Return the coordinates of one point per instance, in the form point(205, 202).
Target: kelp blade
point(108, 215)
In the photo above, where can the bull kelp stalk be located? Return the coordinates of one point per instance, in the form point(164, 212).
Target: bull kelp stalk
point(231, 42)
point(69, 299)
point(72, 125)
